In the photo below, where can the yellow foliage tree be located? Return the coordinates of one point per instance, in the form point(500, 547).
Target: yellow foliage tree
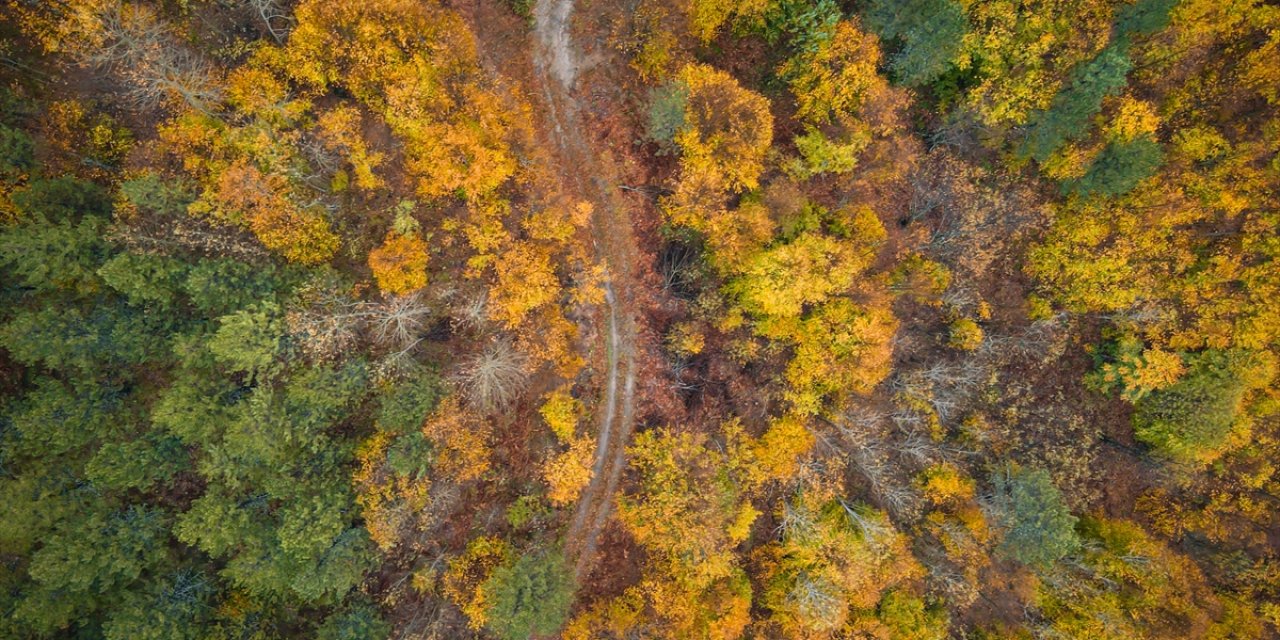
point(727, 129)
point(464, 579)
point(1015, 48)
point(832, 79)
point(688, 514)
point(841, 348)
point(260, 200)
point(561, 412)
point(568, 473)
point(525, 281)
point(463, 441)
point(944, 483)
point(339, 129)
point(706, 17)
point(781, 281)
point(389, 500)
point(774, 456)
point(415, 64)
point(400, 264)
point(831, 557)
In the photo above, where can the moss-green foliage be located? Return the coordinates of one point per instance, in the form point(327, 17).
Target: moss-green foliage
point(62, 199)
point(85, 561)
point(1038, 528)
point(145, 280)
point(530, 596)
point(411, 455)
point(250, 340)
point(1192, 421)
point(129, 370)
point(142, 463)
point(1119, 168)
point(17, 153)
point(172, 607)
point(801, 24)
point(58, 241)
point(666, 115)
point(83, 338)
point(909, 618)
point(522, 8)
point(1143, 17)
point(359, 622)
point(406, 404)
point(927, 34)
point(527, 510)
point(219, 287)
point(1067, 117)
point(151, 193)
point(1128, 584)
point(820, 154)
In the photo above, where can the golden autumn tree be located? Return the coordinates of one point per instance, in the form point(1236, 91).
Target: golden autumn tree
point(339, 130)
point(300, 234)
point(392, 497)
point(842, 348)
point(464, 580)
point(727, 130)
point(399, 265)
point(832, 558)
point(781, 281)
point(526, 281)
point(1017, 49)
point(252, 167)
point(463, 440)
point(797, 292)
point(415, 64)
point(568, 473)
point(1129, 584)
point(688, 514)
point(707, 17)
point(832, 79)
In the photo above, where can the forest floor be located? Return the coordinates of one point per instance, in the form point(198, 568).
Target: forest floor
point(591, 176)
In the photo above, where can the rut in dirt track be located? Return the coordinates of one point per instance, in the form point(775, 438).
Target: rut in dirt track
point(585, 172)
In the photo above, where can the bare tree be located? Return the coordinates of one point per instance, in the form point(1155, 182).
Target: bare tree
point(168, 235)
point(797, 520)
point(946, 577)
point(876, 531)
point(133, 42)
point(816, 598)
point(918, 447)
point(471, 312)
point(274, 17)
point(178, 74)
point(328, 321)
point(399, 321)
point(495, 377)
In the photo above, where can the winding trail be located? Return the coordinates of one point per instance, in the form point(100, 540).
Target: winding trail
point(590, 175)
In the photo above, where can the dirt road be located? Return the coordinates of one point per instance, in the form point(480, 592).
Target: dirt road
point(591, 175)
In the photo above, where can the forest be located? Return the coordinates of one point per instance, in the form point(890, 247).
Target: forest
point(631, 319)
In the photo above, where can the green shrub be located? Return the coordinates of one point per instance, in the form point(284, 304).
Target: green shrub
point(531, 596)
point(1038, 526)
point(1119, 168)
point(1192, 421)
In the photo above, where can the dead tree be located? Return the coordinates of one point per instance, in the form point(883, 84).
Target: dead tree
point(274, 18)
point(495, 377)
point(135, 44)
